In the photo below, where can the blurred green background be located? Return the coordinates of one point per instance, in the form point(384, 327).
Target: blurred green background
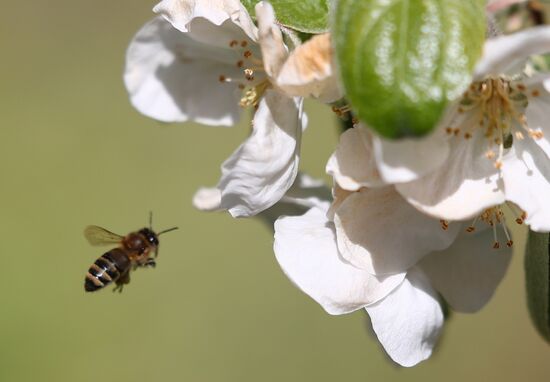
point(217, 307)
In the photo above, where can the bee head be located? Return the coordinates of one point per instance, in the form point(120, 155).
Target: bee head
point(150, 236)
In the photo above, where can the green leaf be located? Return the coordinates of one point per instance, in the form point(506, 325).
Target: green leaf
point(309, 16)
point(537, 276)
point(402, 61)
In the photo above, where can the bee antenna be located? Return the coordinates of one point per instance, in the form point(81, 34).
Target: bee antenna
point(167, 230)
point(151, 220)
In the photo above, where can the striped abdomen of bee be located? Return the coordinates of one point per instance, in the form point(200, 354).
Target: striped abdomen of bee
point(108, 268)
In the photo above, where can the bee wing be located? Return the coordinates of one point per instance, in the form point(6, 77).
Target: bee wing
point(100, 236)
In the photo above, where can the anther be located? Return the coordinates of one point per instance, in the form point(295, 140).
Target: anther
point(244, 43)
point(496, 245)
point(222, 78)
point(519, 135)
point(247, 54)
point(240, 63)
point(449, 130)
point(535, 134)
point(470, 229)
point(233, 43)
point(535, 93)
point(498, 165)
point(521, 87)
point(467, 135)
point(490, 154)
point(509, 243)
point(444, 224)
point(249, 74)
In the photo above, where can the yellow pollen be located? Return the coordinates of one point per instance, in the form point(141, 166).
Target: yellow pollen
point(253, 95)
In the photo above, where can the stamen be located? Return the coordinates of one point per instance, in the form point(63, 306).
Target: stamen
point(249, 74)
point(444, 225)
point(535, 134)
point(472, 226)
point(244, 43)
point(496, 244)
point(233, 43)
point(519, 135)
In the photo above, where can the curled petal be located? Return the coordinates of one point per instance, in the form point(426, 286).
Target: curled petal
point(409, 320)
point(380, 232)
point(310, 71)
point(468, 272)
point(352, 165)
point(504, 53)
point(181, 14)
point(173, 78)
point(264, 167)
point(274, 52)
point(305, 247)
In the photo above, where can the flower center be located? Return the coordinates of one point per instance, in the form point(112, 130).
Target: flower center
point(253, 81)
point(497, 106)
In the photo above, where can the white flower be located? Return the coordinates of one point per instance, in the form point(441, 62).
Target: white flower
point(492, 146)
point(203, 61)
point(405, 259)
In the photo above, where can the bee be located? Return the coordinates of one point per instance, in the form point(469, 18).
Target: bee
point(134, 251)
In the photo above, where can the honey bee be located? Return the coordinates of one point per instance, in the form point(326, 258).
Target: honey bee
point(134, 251)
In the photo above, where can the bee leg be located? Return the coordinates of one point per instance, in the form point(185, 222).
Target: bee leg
point(122, 280)
point(150, 263)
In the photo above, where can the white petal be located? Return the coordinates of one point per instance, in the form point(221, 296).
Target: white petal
point(506, 52)
point(461, 188)
point(271, 39)
point(408, 322)
point(181, 13)
point(408, 159)
point(380, 232)
point(172, 78)
point(352, 164)
point(207, 199)
point(264, 167)
point(305, 247)
point(310, 71)
point(468, 272)
point(527, 182)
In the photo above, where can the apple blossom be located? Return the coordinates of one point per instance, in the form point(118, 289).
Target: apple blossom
point(204, 60)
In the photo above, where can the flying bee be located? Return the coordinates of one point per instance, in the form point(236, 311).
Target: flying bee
point(134, 251)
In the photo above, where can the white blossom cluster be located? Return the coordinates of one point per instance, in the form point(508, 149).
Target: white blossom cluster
point(411, 223)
